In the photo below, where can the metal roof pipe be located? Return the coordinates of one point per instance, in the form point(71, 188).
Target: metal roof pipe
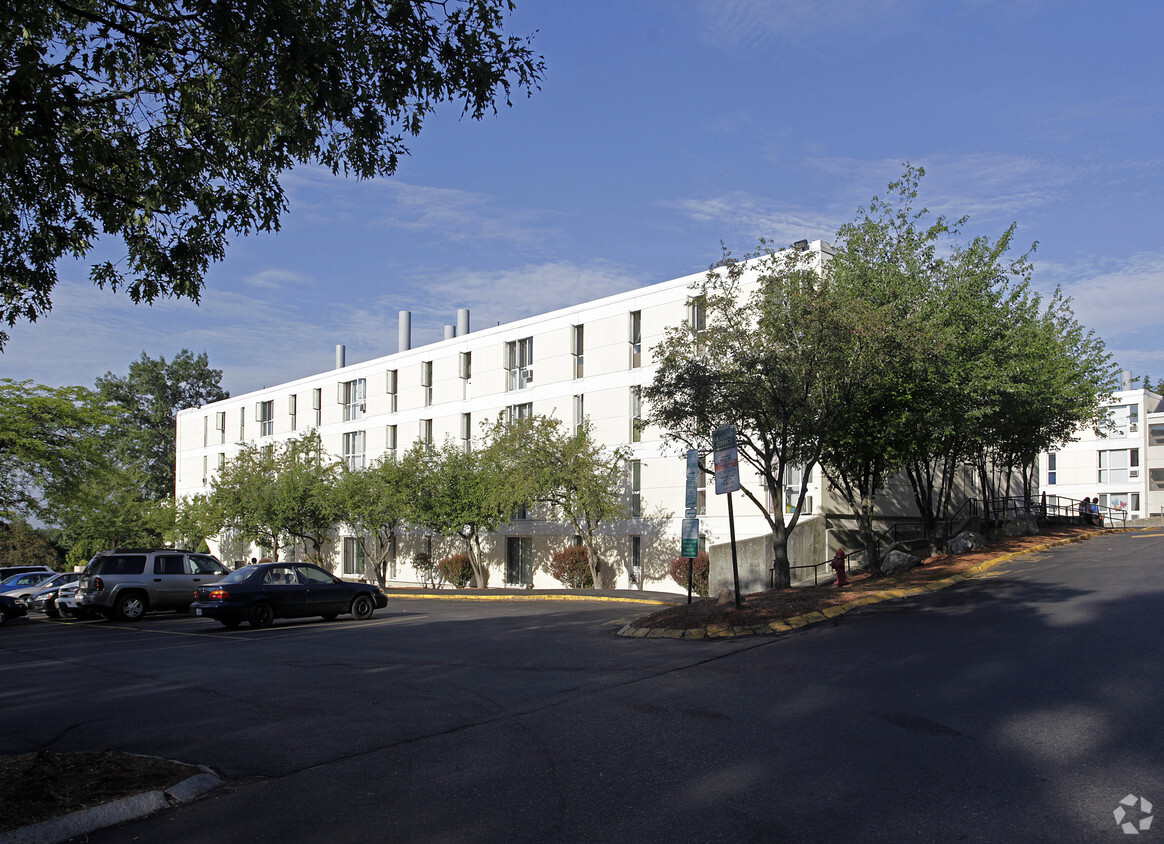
point(340, 356)
point(404, 333)
point(450, 332)
point(462, 321)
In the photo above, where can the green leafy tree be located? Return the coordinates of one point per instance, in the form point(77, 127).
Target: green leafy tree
point(107, 511)
point(581, 481)
point(167, 124)
point(780, 356)
point(50, 445)
point(191, 520)
point(376, 502)
point(275, 494)
point(150, 396)
point(463, 494)
point(23, 545)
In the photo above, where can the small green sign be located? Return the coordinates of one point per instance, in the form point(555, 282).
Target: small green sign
point(690, 538)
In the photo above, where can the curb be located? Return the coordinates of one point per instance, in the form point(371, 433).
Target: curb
point(509, 597)
point(130, 808)
point(786, 624)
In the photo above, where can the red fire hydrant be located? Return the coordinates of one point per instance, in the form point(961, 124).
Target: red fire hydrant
point(838, 565)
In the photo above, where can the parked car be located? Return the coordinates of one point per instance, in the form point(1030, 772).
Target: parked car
point(7, 571)
point(124, 583)
point(44, 599)
point(258, 594)
point(11, 608)
point(23, 585)
point(67, 601)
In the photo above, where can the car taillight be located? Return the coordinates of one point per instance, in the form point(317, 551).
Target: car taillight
point(219, 594)
point(98, 585)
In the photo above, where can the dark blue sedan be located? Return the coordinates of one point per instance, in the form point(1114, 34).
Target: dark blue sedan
point(261, 593)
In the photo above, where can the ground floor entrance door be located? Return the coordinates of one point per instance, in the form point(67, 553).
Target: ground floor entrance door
point(519, 561)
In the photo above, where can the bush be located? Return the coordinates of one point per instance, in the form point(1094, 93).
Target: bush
point(427, 572)
point(457, 570)
point(571, 566)
point(700, 572)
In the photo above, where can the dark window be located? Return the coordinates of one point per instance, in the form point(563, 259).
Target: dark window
point(169, 564)
point(121, 564)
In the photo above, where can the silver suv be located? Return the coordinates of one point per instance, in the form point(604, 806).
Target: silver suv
point(123, 583)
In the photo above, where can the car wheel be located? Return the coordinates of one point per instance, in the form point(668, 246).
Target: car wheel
point(362, 607)
point(68, 613)
point(330, 616)
point(51, 611)
point(261, 614)
point(3, 615)
point(129, 607)
point(230, 623)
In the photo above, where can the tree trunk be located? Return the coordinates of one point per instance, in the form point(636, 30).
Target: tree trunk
point(480, 573)
point(783, 570)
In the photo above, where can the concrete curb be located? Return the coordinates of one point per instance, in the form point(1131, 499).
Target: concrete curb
point(130, 808)
point(786, 624)
point(436, 596)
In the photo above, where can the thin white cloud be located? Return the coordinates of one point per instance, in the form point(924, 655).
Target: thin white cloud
point(276, 279)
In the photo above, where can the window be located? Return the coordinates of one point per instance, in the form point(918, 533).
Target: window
point(265, 416)
point(353, 556)
point(466, 366)
point(221, 460)
point(636, 414)
point(426, 432)
point(205, 478)
point(579, 412)
point(292, 407)
point(520, 513)
point(426, 381)
point(390, 441)
point(1051, 473)
point(517, 412)
point(1156, 434)
point(636, 339)
point(1116, 466)
point(636, 559)
point(205, 431)
point(391, 388)
point(519, 361)
point(220, 426)
point(636, 508)
point(578, 349)
point(794, 478)
point(317, 405)
point(353, 396)
point(392, 558)
point(697, 316)
point(354, 450)
point(242, 424)
point(467, 432)
point(1128, 502)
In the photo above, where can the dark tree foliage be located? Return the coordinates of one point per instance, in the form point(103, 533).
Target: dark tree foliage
point(166, 124)
point(151, 395)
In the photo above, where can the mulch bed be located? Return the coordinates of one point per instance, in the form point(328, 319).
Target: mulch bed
point(776, 604)
point(35, 787)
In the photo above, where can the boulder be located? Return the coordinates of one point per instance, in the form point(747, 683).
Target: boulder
point(967, 540)
point(1022, 525)
point(897, 561)
point(726, 596)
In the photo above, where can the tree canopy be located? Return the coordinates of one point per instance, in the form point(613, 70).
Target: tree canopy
point(150, 396)
point(167, 124)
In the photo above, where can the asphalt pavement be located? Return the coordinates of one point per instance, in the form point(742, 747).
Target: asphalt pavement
point(1020, 706)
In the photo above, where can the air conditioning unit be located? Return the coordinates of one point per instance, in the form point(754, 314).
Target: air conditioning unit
point(527, 374)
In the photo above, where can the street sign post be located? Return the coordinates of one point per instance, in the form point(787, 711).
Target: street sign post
point(727, 480)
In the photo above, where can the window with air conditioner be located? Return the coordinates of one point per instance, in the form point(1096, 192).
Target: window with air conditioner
point(519, 360)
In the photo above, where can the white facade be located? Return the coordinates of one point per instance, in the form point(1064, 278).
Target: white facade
point(1123, 466)
point(593, 359)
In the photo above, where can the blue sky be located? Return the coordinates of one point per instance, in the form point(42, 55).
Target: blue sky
point(664, 127)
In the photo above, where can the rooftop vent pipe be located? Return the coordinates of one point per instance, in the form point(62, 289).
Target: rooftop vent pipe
point(340, 356)
point(462, 321)
point(404, 333)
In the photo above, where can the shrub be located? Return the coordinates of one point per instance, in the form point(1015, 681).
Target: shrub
point(457, 570)
point(427, 572)
point(700, 572)
point(571, 566)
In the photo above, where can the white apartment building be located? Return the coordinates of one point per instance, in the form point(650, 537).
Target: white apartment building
point(1122, 465)
point(591, 360)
